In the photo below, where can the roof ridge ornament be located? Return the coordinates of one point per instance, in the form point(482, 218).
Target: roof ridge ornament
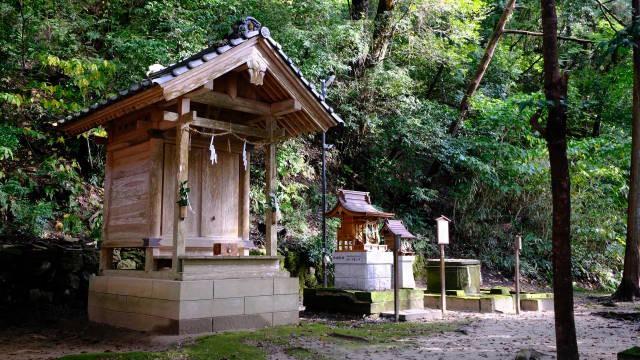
point(246, 27)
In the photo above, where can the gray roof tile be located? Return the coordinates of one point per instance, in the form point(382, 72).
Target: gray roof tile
point(247, 29)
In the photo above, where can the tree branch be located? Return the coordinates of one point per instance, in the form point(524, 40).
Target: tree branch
point(560, 37)
point(606, 10)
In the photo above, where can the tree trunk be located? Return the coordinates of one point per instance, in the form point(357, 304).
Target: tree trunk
point(629, 287)
point(555, 88)
point(359, 9)
point(383, 29)
point(482, 66)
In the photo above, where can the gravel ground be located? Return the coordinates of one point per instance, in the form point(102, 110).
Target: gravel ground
point(603, 331)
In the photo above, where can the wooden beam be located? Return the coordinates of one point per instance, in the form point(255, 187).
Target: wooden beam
point(211, 70)
point(285, 107)
point(223, 100)
point(182, 174)
point(271, 187)
point(232, 85)
point(227, 126)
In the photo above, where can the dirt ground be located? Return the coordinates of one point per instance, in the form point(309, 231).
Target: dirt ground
point(603, 330)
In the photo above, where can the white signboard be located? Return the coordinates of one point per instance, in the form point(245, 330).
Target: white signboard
point(443, 230)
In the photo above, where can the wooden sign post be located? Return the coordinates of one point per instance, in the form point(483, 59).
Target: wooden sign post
point(443, 239)
point(518, 247)
point(396, 279)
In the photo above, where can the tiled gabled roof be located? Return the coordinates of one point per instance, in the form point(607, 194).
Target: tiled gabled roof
point(396, 227)
point(242, 31)
point(356, 203)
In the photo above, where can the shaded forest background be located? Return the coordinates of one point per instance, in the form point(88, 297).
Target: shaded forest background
point(492, 179)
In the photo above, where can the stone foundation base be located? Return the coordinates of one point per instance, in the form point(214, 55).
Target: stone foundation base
point(193, 306)
point(367, 270)
point(360, 302)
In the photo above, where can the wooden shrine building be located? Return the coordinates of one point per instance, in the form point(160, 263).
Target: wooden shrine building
point(359, 222)
point(395, 228)
point(177, 185)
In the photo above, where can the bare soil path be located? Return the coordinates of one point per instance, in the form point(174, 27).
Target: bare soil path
point(603, 331)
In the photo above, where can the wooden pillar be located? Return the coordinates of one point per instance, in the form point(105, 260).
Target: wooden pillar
point(271, 221)
point(182, 174)
point(106, 254)
point(245, 189)
point(156, 149)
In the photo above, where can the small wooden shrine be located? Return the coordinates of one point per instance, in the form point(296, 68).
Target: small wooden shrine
point(177, 186)
point(392, 229)
point(359, 222)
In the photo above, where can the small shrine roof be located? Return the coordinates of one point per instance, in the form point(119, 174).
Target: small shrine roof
point(356, 203)
point(397, 228)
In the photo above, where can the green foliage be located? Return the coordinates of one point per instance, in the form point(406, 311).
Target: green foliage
point(492, 179)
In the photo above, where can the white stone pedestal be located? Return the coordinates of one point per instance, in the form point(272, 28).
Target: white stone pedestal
point(369, 270)
point(406, 272)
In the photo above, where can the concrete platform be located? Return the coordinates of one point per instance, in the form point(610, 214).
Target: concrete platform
point(491, 301)
point(243, 300)
point(360, 302)
point(414, 315)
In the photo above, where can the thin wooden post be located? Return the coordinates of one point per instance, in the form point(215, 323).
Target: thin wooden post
point(182, 174)
point(396, 280)
point(106, 254)
point(156, 148)
point(518, 246)
point(271, 188)
point(244, 195)
point(443, 291)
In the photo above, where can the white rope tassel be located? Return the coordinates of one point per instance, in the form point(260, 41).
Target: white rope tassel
point(244, 154)
point(212, 149)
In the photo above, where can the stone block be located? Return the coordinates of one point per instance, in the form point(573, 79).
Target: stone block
point(504, 304)
point(228, 306)
point(195, 326)
point(258, 304)
point(254, 321)
point(124, 285)
point(166, 289)
point(285, 302)
point(107, 301)
point(169, 309)
point(195, 309)
point(140, 322)
point(346, 283)
point(196, 290)
point(406, 272)
point(286, 285)
point(182, 290)
point(98, 284)
point(432, 301)
point(229, 288)
point(463, 304)
point(286, 318)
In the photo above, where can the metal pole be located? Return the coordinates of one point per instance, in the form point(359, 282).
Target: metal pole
point(396, 279)
point(518, 246)
point(443, 292)
point(324, 210)
point(324, 197)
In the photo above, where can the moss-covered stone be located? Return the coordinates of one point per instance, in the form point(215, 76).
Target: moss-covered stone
point(500, 290)
point(361, 302)
point(630, 354)
point(459, 275)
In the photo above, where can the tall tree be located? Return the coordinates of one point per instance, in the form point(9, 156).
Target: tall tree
point(629, 287)
point(555, 89)
point(383, 29)
point(492, 44)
